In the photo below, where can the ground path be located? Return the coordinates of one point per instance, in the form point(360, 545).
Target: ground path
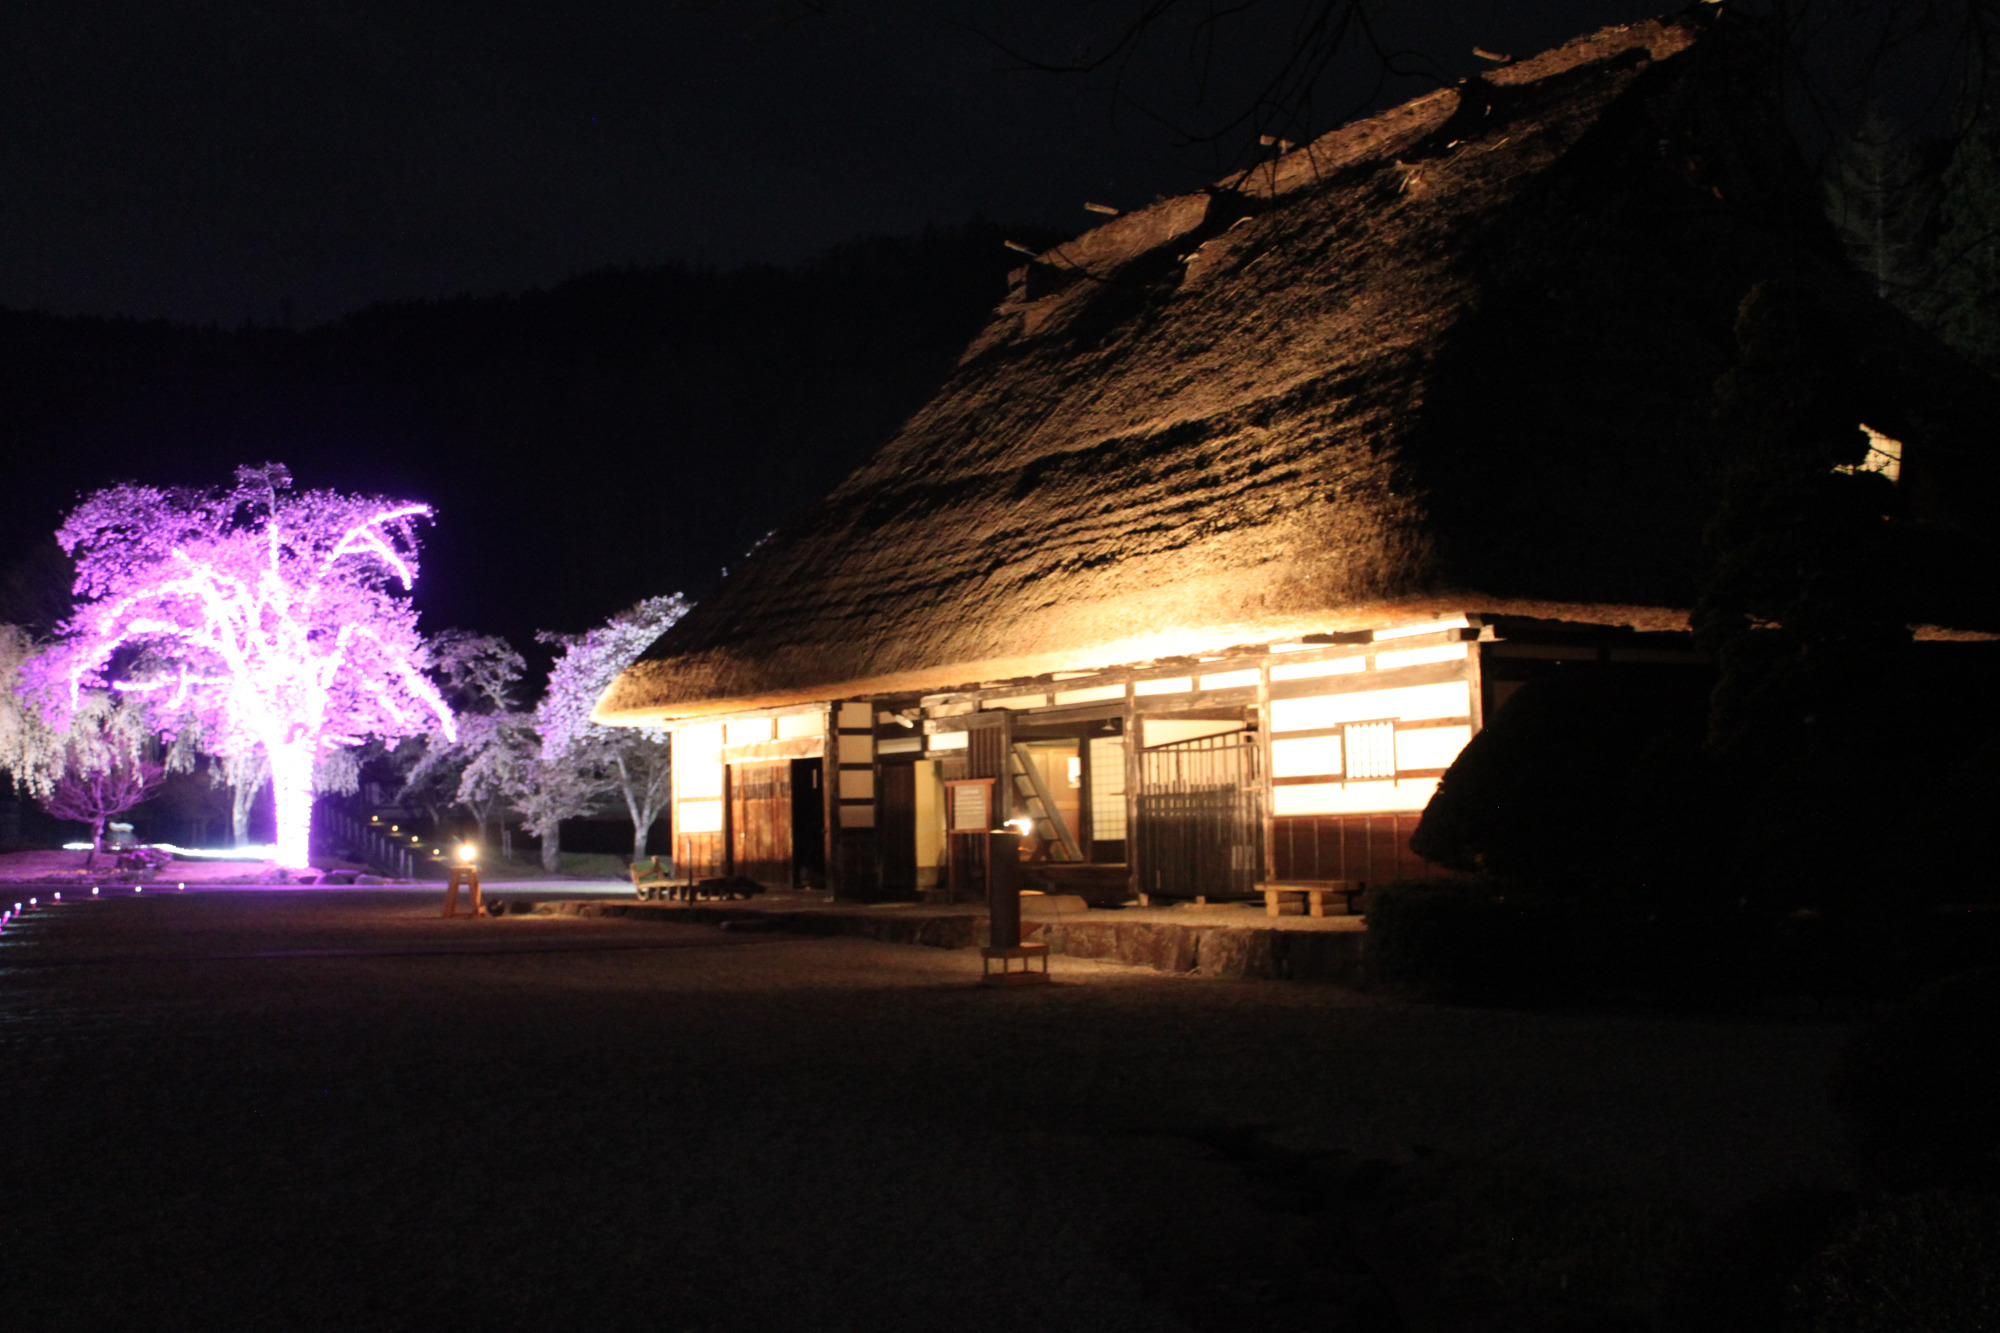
point(331, 1110)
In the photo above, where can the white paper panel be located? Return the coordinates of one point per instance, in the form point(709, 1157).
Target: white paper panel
point(1090, 695)
point(1411, 703)
point(1305, 758)
point(794, 725)
point(1355, 798)
point(747, 731)
point(698, 817)
point(1409, 657)
point(1336, 666)
point(1431, 747)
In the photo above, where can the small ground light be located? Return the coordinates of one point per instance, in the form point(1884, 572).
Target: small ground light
point(138, 888)
point(467, 853)
point(93, 890)
point(58, 897)
point(181, 887)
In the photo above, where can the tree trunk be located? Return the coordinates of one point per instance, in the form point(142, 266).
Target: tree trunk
point(291, 798)
point(640, 832)
point(552, 848)
point(242, 796)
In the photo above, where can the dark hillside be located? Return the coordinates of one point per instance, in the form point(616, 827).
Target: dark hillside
point(626, 433)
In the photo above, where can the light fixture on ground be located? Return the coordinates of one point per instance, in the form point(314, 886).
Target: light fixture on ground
point(465, 871)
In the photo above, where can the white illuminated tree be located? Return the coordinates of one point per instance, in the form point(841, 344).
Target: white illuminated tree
point(274, 620)
point(634, 760)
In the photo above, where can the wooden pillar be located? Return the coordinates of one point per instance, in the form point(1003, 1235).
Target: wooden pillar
point(1003, 888)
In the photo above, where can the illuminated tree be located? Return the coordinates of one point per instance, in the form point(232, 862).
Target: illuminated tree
point(476, 674)
point(271, 619)
point(94, 797)
point(635, 760)
point(31, 751)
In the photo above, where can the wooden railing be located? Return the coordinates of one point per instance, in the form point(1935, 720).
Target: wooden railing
point(365, 842)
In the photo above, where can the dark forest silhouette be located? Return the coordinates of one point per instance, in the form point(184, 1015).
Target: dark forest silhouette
point(626, 432)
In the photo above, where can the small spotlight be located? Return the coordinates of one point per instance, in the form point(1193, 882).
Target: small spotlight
point(58, 897)
point(181, 887)
point(1022, 825)
point(138, 888)
point(93, 890)
point(33, 901)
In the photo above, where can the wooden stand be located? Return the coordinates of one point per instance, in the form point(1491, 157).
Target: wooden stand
point(1003, 914)
point(1314, 894)
point(469, 877)
point(1017, 965)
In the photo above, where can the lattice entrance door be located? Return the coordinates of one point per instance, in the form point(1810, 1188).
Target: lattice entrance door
point(1200, 818)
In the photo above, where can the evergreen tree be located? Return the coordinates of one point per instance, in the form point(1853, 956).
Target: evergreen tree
point(1962, 301)
point(1806, 585)
point(1805, 606)
point(1880, 198)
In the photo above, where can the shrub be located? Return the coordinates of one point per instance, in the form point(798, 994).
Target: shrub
point(1464, 939)
point(1542, 793)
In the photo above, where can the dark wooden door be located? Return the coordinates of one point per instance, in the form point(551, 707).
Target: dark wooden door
point(896, 830)
point(760, 822)
point(808, 824)
point(1200, 818)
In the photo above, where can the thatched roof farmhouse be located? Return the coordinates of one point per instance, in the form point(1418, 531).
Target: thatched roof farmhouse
point(1448, 365)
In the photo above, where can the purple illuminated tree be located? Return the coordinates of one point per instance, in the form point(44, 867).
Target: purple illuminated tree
point(273, 620)
point(95, 797)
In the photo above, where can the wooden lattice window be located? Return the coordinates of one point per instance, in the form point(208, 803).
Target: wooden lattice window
point(1368, 750)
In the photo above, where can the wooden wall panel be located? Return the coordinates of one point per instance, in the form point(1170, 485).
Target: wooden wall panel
point(1372, 849)
point(699, 856)
point(760, 822)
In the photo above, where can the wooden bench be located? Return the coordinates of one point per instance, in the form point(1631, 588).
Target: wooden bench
point(1314, 892)
point(649, 877)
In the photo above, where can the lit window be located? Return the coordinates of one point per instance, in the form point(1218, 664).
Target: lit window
point(1370, 750)
point(1884, 456)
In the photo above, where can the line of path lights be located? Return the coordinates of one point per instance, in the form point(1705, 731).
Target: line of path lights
point(21, 908)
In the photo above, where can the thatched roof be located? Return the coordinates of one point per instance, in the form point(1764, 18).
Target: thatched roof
point(1459, 355)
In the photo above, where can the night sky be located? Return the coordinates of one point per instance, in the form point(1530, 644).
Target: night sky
point(238, 160)
point(242, 163)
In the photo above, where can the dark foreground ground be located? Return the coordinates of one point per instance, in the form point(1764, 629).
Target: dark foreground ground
point(334, 1111)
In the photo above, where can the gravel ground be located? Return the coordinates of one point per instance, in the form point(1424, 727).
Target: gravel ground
point(331, 1110)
